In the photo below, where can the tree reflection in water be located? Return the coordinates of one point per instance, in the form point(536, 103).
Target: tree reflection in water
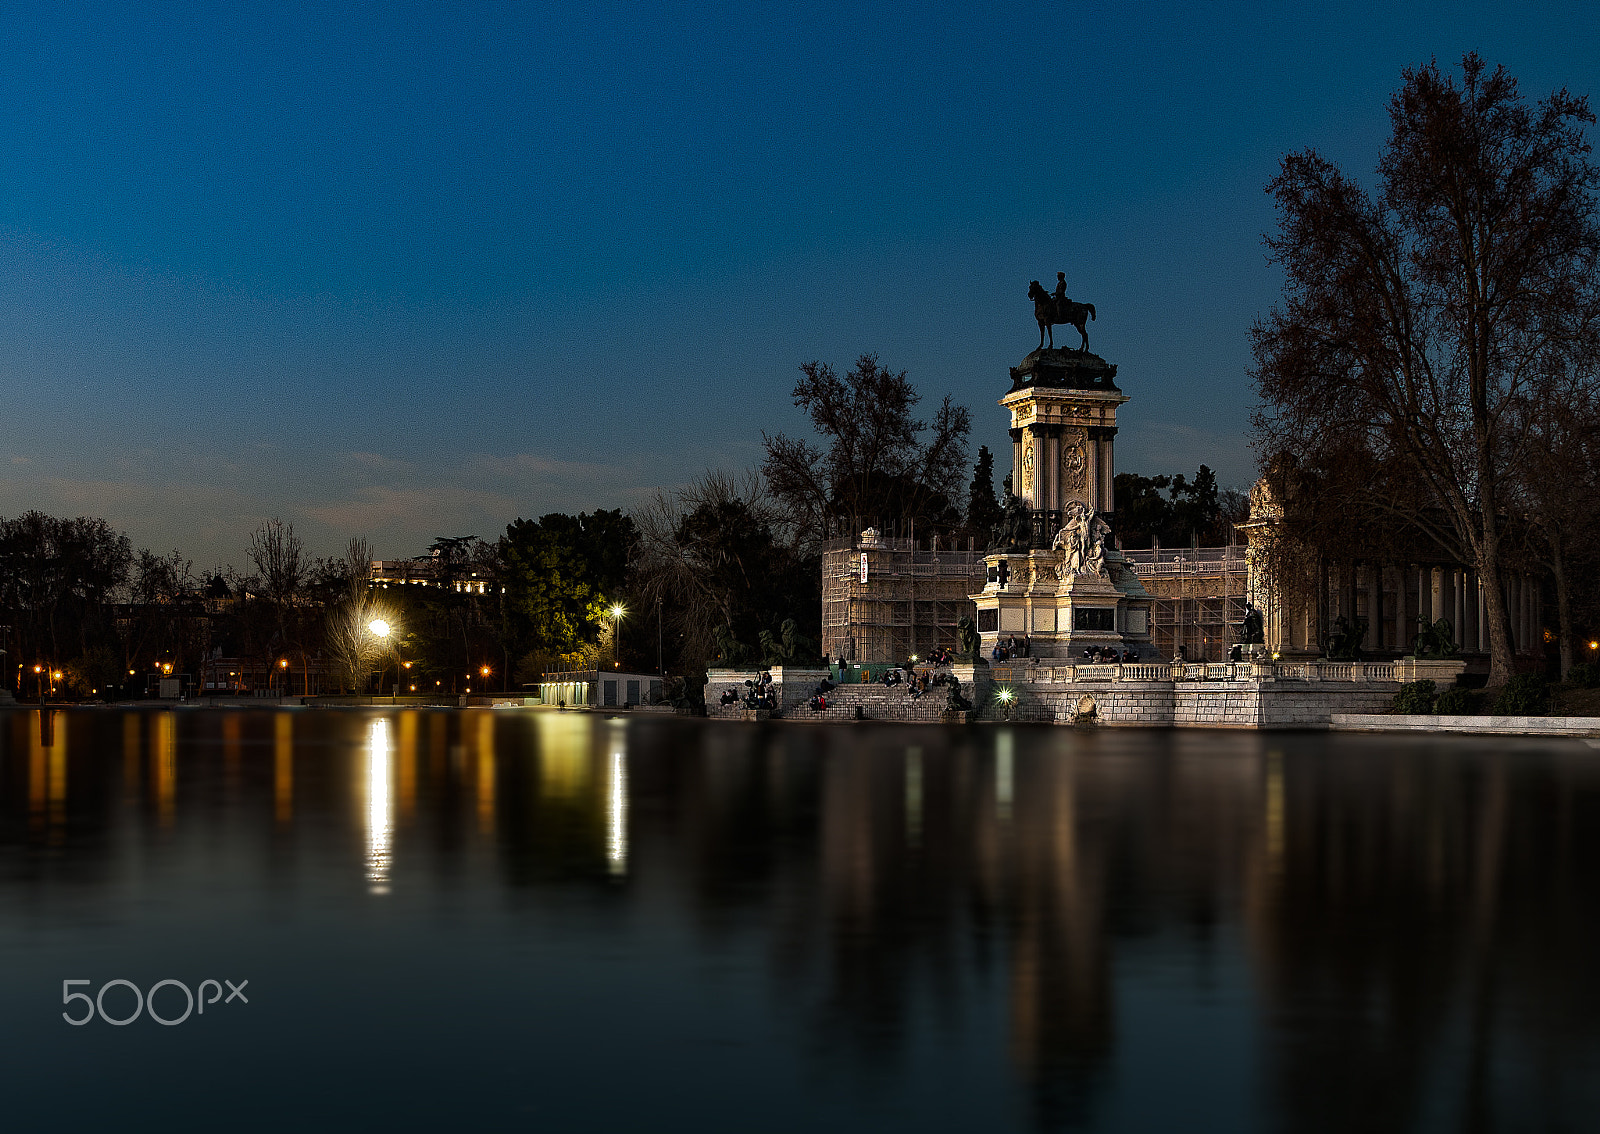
point(1416, 920)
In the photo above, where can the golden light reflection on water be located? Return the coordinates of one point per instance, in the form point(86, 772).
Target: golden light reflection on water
point(617, 802)
point(164, 743)
point(283, 767)
point(485, 773)
point(380, 808)
point(408, 764)
point(47, 773)
point(563, 754)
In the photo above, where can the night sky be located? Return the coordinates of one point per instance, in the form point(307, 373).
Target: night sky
point(408, 271)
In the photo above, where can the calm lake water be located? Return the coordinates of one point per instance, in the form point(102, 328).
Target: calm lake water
point(554, 921)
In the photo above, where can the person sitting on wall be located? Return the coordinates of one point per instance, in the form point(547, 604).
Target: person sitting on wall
point(1128, 656)
point(1235, 654)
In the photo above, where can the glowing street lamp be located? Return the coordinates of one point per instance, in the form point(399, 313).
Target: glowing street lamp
point(380, 631)
point(617, 611)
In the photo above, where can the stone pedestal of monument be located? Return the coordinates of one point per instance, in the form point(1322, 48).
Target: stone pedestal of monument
point(1061, 583)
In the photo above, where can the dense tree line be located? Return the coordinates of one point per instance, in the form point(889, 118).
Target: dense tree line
point(1193, 512)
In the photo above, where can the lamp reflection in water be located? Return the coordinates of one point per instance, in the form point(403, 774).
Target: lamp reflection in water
point(1003, 757)
point(380, 808)
point(617, 801)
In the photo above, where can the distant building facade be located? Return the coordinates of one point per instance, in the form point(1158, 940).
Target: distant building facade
point(432, 571)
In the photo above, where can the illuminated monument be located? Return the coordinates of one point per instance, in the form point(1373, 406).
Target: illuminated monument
point(1056, 577)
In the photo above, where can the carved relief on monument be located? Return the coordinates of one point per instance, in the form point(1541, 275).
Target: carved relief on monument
point(1081, 543)
point(1073, 460)
point(1027, 463)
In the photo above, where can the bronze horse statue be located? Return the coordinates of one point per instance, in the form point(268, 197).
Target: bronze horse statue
point(1050, 311)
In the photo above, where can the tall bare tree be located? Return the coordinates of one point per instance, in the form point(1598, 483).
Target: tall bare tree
point(353, 648)
point(1415, 319)
point(1558, 491)
point(279, 555)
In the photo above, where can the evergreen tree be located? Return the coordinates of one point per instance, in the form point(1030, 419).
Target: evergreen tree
point(983, 510)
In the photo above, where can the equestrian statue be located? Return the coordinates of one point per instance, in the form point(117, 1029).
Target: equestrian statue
point(1057, 310)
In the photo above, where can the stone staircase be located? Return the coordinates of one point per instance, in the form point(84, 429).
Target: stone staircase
point(877, 703)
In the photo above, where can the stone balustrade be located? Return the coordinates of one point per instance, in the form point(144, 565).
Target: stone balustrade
point(1039, 671)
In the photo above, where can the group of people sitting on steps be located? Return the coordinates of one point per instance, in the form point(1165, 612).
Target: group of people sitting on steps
point(758, 694)
point(1008, 648)
point(1107, 655)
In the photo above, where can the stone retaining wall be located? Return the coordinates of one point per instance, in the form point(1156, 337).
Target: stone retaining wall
point(1275, 704)
point(1583, 727)
point(1233, 703)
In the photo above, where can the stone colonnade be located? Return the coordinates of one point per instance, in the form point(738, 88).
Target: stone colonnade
point(1392, 598)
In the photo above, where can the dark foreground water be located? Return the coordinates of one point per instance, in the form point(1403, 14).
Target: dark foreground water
point(553, 922)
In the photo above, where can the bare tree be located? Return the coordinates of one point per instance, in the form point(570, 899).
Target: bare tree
point(712, 553)
point(279, 556)
point(1558, 489)
point(1416, 319)
point(353, 648)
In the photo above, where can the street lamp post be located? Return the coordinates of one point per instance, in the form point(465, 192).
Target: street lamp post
point(380, 631)
point(617, 611)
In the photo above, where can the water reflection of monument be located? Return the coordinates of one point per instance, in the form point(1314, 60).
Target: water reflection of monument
point(1409, 932)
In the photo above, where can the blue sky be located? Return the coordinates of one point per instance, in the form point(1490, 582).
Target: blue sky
point(405, 271)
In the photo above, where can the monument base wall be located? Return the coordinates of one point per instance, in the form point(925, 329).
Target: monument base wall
point(1249, 697)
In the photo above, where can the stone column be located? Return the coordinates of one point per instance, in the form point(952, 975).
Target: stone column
point(1038, 467)
point(1375, 606)
point(1483, 614)
point(1422, 594)
point(1457, 584)
point(1091, 472)
point(1512, 594)
point(1108, 470)
point(1052, 450)
point(1530, 629)
point(1400, 609)
point(1017, 487)
point(1436, 606)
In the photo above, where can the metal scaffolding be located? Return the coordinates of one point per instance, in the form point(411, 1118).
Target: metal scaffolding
point(888, 599)
point(1200, 595)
